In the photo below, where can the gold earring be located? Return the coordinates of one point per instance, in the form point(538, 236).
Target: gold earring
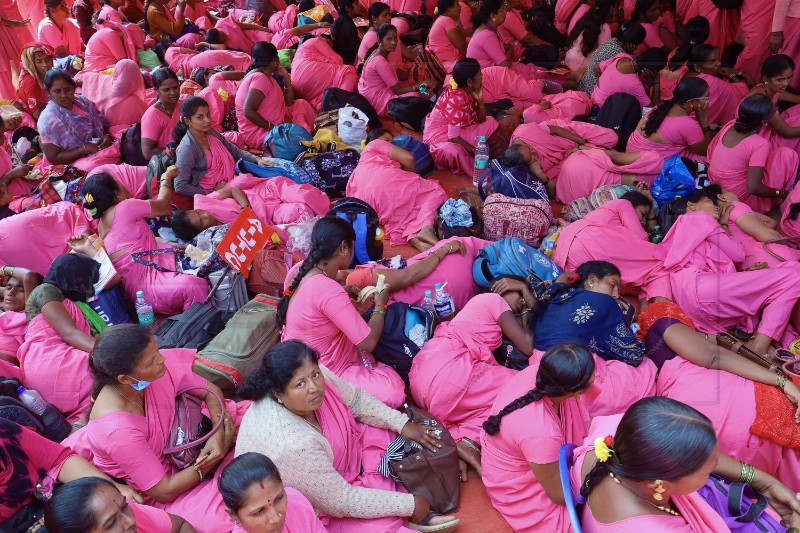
point(591, 285)
point(280, 401)
point(659, 490)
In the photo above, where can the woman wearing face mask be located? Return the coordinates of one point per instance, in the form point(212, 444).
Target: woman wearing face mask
point(615, 232)
point(257, 500)
point(745, 163)
point(679, 125)
point(206, 160)
point(61, 328)
point(701, 257)
point(586, 310)
point(95, 505)
point(646, 476)
point(58, 30)
point(261, 103)
point(134, 392)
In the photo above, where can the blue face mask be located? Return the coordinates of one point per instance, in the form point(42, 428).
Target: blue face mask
point(139, 385)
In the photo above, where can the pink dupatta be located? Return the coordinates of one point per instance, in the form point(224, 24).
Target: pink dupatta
point(342, 432)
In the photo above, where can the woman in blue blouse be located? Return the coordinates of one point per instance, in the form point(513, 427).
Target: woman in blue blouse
point(586, 310)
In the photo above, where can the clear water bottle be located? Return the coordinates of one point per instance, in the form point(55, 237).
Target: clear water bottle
point(427, 302)
point(443, 303)
point(144, 311)
point(481, 159)
point(54, 421)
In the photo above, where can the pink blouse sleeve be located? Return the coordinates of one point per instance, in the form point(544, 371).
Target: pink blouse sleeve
point(514, 25)
point(385, 71)
point(129, 211)
point(49, 34)
point(336, 305)
point(628, 218)
point(128, 447)
point(637, 90)
point(690, 131)
point(493, 47)
point(758, 154)
point(540, 441)
point(151, 128)
point(149, 519)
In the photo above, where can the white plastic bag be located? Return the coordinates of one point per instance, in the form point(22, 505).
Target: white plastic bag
point(352, 126)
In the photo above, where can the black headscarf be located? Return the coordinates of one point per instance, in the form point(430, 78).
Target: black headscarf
point(74, 275)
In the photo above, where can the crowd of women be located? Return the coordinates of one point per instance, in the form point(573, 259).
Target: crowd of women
point(658, 410)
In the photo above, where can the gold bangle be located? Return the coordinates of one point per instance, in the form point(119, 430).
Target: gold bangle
point(743, 473)
point(200, 473)
point(436, 255)
point(379, 312)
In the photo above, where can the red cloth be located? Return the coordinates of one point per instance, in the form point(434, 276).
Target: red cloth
point(657, 311)
point(458, 107)
point(775, 416)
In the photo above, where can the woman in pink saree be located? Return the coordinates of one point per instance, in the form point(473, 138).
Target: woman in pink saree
point(407, 208)
point(134, 392)
point(458, 118)
point(726, 89)
point(122, 226)
point(14, 34)
point(678, 126)
point(542, 407)
point(615, 232)
point(502, 82)
point(447, 38)
point(73, 131)
point(132, 179)
point(54, 358)
point(262, 104)
point(790, 209)
point(107, 46)
point(742, 161)
point(485, 45)
point(318, 311)
point(553, 140)
point(186, 60)
point(252, 479)
point(782, 129)
point(327, 437)
point(456, 378)
point(160, 119)
point(700, 257)
point(618, 465)
point(316, 66)
point(58, 30)
point(242, 36)
point(624, 74)
point(120, 96)
point(585, 170)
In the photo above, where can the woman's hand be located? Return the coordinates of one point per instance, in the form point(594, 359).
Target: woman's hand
point(792, 392)
point(507, 285)
point(382, 298)
point(79, 244)
point(170, 174)
point(283, 73)
point(455, 247)
point(477, 94)
point(761, 265)
point(89, 149)
point(260, 161)
point(220, 185)
point(105, 142)
point(21, 171)
point(217, 446)
point(782, 500)
point(129, 493)
point(776, 42)
point(425, 436)
point(725, 213)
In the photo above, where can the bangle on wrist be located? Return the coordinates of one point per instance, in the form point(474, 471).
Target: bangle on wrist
point(379, 312)
point(780, 381)
point(433, 253)
point(200, 474)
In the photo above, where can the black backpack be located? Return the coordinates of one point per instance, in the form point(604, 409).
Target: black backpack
point(193, 328)
point(509, 356)
point(410, 111)
point(52, 425)
point(621, 112)
point(335, 98)
point(366, 224)
point(158, 165)
point(394, 348)
point(131, 146)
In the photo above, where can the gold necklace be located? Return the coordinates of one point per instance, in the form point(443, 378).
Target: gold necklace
point(645, 500)
point(128, 399)
point(316, 426)
point(325, 273)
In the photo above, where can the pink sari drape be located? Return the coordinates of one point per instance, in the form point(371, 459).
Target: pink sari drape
point(108, 45)
point(239, 39)
point(119, 96)
point(585, 170)
point(53, 368)
point(316, 67)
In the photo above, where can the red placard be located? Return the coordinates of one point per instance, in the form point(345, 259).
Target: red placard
point(246, 236)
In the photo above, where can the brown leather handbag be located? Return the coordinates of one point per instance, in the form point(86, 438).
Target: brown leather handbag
point(432, 475)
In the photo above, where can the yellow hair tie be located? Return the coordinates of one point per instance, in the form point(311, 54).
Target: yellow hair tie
point(453, 83)
point(363, 143)
point(89, 198)
point(602, 448)
point(436, 10)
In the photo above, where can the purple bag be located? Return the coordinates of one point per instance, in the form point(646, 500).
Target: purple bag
point(734, 502)
point(190, 428)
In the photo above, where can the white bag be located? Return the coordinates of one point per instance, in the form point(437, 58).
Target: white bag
point(352, 126)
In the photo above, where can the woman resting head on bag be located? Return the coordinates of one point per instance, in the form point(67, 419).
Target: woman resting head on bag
point(649, 473)
point(328, 437)
point(257, 500)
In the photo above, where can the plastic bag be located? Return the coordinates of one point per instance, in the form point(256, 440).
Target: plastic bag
point(300, 235)
point(352, 126)
point(675, 180)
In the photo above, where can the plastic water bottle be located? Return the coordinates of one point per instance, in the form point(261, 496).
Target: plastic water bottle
point(481, 160)
point(144, 311)
point(53, 420)
point(443, 303)
point(427, 302)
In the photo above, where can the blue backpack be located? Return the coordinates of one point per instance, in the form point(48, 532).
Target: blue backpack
point(284, 141)
point(511, 256)
point(423, 162)
point(365, 222)
point(280, 167)
point(514, 182)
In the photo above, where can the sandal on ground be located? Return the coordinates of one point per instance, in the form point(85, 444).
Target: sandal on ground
point(446, 527)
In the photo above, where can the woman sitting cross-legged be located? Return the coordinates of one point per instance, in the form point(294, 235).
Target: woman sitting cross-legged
point(134, 409)
point(405, 202)
point(206, 160)
point(256, 498)
point(327, 437)
point(642, 472)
